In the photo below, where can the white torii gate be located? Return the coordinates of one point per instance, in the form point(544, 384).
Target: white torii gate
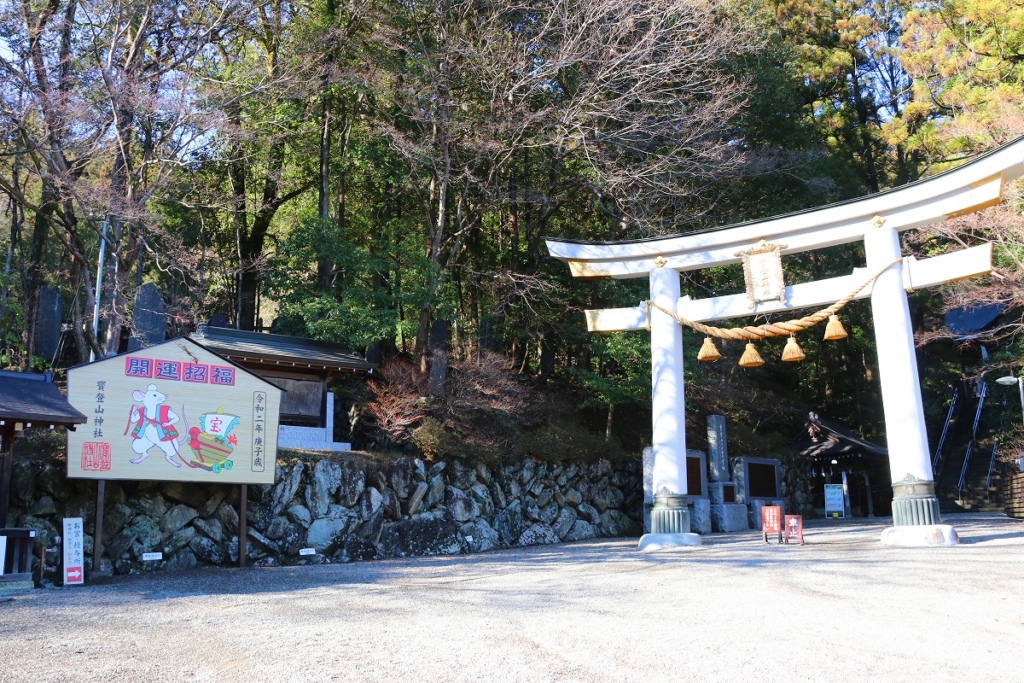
point(877, 220)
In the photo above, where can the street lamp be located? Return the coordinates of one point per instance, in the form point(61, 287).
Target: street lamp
point(1009, 380)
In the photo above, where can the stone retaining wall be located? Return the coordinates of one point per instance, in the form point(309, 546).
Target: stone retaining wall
point(344, 511)
point(1015, 496)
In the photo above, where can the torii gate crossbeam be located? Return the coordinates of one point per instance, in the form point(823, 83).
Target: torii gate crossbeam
point(877, 220)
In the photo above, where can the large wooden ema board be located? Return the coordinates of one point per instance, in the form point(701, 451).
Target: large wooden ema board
point(173, 412)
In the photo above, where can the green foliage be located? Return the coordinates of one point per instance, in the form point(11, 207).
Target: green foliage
point(362, 305)
point(567, 441)
point(623, 372)
point(455, 110)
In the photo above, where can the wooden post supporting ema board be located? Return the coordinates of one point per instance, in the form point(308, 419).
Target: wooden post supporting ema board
point(97, 538)
point(243, 524)
point(6, 468)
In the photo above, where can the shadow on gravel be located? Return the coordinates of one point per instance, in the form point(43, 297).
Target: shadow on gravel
point(459, 572)
point(843, 547)
point(971, 539)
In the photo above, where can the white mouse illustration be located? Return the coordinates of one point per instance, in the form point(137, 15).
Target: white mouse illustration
point(153, 426)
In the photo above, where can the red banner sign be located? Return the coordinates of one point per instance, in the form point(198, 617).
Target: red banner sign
point(771, 521)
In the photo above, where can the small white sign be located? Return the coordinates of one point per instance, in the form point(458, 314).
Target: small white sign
point(835, 506)
point(469, 539)
point(74, 551)
point(307, 551)
point(152, 557)
point(3, 553)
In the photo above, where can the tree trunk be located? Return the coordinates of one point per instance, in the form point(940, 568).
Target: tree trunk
point(34, 271)
point(439, 346)
point(121, 235)
point(547, 353)
point(870, 172)
point(434, 253)
point(608, 423)
point(324, 266)
point(423, 335)
point(513, 222)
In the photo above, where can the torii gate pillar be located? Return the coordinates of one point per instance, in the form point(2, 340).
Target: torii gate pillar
point(670, 517)
point(915, 509)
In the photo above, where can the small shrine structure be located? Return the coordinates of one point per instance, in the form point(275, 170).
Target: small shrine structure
point(26, 401)
point(877, 221)
point(303, 368)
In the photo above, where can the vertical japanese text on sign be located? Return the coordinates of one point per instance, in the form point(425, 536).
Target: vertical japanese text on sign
point(771, 522)
point(259, 412)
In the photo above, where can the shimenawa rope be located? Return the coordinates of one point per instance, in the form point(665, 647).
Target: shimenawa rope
point(768, 330)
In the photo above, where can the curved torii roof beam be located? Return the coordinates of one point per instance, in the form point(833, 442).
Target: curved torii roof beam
point(971, 187)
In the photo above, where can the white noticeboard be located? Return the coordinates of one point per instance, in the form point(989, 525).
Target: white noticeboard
point(835, 506)
point(3, 553)
point(74, 551)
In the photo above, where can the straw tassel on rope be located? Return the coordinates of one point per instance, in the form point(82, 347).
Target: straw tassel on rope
point(751, 358)
point(834, 330)
point(708, 352)
point(792, 352)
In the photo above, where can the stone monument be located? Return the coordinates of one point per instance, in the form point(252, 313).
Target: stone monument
point(149, 319)
point(758, 483)
point(697, 491)
point(48, 324)
point(727, 514)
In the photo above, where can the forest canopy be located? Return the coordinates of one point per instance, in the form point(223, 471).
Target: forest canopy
point(357, 171)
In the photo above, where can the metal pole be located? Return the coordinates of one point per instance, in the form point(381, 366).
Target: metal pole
point(1020, 385)
point(99, 290)
point(847, 507)
point(243, 524)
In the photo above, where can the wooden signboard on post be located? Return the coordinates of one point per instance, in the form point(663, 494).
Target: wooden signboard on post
point(73, 559)
point(173, 412)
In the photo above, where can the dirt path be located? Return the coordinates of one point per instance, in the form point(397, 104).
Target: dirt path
point(843, 607)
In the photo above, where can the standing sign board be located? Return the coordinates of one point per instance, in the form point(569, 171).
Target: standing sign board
point(835, 506)
point(794, 529)
point(771, 522)
point(173, 412)
point(74, 551)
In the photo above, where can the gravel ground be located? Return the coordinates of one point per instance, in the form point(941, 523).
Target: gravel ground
point(842, 607)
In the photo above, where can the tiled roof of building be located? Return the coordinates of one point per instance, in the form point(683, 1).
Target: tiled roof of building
point(279, 349)
point(831, 438)
point(29, 397)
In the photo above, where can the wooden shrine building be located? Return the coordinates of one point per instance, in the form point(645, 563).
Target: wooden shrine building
point(28, 400)
point(302, 367)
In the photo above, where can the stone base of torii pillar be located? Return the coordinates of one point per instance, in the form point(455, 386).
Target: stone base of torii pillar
point(920, 536)
point(670, 524)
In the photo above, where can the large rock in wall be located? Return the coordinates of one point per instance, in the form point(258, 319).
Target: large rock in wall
point(341, 510)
